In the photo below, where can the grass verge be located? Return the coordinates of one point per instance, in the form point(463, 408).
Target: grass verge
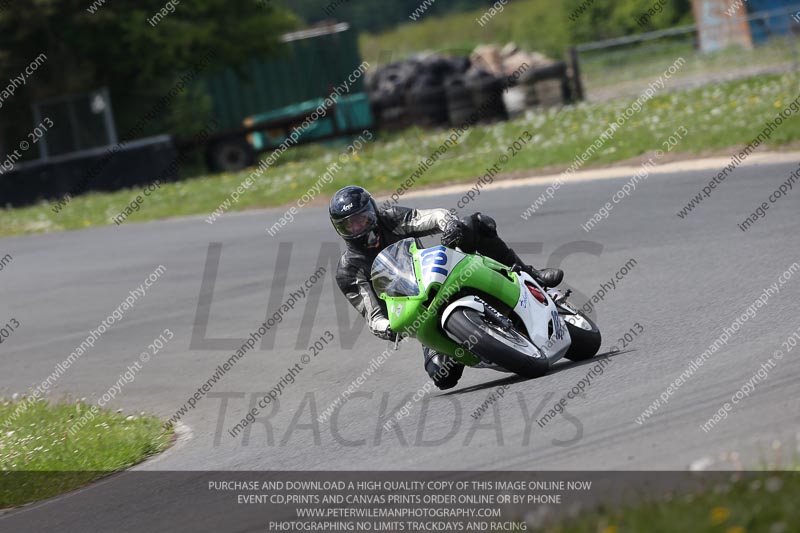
point(39, 459)
point(749, 503)
point(717, 117)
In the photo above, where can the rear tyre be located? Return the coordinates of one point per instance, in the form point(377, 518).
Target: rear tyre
point(585, 337)
point(506, 348)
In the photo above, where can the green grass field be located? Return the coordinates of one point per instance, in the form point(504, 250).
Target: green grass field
point(717, 117)
point(461, 32)
point(764, 503)
point(626, 69)
point(39, 458)
point(542, 26)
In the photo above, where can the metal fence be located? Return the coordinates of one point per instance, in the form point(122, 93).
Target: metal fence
point(624, 66)
point(81, 122)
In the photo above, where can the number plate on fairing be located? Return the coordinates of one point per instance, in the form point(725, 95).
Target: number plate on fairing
point(436, 264)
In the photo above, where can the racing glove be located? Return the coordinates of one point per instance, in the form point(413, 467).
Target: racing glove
point(453, 233)
point(381, 329)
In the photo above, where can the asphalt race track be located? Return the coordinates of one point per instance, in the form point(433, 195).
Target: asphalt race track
point(691, 278)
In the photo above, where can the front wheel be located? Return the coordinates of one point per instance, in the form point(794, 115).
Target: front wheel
point(585, 337)
point(504, 347)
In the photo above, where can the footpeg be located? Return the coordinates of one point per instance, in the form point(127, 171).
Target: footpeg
point(564, 296)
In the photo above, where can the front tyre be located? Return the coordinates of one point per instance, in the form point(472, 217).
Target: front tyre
point(504, 347)
point(585, 337)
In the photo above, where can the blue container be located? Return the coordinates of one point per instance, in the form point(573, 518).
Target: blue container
point(764, 29)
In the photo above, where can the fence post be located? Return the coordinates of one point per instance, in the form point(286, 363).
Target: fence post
point(793, 44)
point(576, 73)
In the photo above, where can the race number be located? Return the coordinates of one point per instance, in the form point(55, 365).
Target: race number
point(433, 261)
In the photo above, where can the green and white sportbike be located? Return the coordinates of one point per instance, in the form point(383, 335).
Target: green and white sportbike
point(478, 311)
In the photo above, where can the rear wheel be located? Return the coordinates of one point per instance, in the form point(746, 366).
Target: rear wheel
point(585, 337)
point(504, 347)
point(230, 155)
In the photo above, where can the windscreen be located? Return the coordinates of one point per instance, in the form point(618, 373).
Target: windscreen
point(393, 271)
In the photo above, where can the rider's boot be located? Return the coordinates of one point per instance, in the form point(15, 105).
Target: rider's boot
point(546, 277)
point(444, 371)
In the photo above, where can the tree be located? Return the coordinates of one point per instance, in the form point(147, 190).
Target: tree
point(114, 43)
point(604, 19)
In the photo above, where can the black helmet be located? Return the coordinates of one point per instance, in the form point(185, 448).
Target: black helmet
point(354, 214)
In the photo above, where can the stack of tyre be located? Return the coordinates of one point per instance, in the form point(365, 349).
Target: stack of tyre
point(475, 96)
point(387, 89)
point(546, 86)
point(434, 90)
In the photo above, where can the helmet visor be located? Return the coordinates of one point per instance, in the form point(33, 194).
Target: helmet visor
point(357, 224)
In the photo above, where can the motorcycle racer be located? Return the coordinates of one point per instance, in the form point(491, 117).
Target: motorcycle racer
point(368, 229)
